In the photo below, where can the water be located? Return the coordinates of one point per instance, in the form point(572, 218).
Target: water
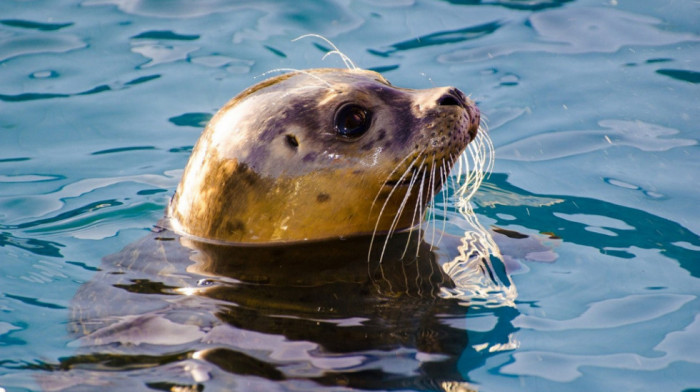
point(591, 106)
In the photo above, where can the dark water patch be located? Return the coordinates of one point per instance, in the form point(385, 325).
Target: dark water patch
point(679, 74)
point(19, 159)
point(33, 245)
point(147, 192)
point(618, 253)
point(95, 90)
point(276, 52)
point(30, 97)
point(34, 301)
point(166, 35)
point(183, 149)
point(322, 48)
point(83, 266)
point(142, 79)
point(198, 120)
point(534, 5)
point(26, 24)
point(384, 68)
point(123, 149)
point(658, 60)
point(441, 38)
point(7, 339)
point(98, 205)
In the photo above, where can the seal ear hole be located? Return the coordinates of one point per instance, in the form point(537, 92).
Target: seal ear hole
point(292, 140)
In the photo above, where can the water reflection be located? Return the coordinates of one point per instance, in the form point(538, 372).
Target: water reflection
point(315, 315)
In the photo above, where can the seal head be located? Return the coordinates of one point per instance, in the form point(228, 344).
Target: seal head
point(319, 154)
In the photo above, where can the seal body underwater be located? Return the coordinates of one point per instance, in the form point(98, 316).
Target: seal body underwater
point(319, 154)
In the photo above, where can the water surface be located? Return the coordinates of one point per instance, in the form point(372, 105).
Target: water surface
point(592, 107)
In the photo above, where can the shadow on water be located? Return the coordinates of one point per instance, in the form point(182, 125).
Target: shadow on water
point(169, 311)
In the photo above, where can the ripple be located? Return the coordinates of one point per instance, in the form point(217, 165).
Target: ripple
point(32, 245)
point(627, 185)
point(146, 329)
point(679, 74)
point(198, 120)
point(24, 97)
point(27, 24)
point(531, 5)
point(275, 51)
point(165, 34)
point(276, 17)
point(19, 159)
point(384, 68)
point(34, 301)
point(579, 30)
point(213, 61)
point(594, 220)
point(440, 38)
point(47, 74)
point(28, 178)
point(44, 205)
point(553, 145)
point(34, 44)
point(91, 207)
point(162, 54)
point(169, 9)
point(7, 327)
point(611, 313)
point(123, 149)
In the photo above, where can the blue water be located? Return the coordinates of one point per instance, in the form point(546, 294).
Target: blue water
point(592, 107)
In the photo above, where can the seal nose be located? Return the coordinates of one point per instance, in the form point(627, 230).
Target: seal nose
point(454, 97)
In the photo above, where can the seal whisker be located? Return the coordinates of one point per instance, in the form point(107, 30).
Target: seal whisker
point(419, 202)
point(388, 177)
point(467, 174)
point(421, 235)
point(431, 203)
point(445, 196)
point(346, 60)
point(381, 212)
point(394, 223)
point(481, 151)
point(403, 205)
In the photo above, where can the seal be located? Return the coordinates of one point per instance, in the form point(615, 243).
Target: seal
point(321, 154)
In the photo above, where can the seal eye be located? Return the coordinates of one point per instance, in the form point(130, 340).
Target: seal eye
point(352, 121)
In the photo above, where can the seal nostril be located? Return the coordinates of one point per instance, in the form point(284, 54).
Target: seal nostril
point(452, 97)
point(448, 100)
